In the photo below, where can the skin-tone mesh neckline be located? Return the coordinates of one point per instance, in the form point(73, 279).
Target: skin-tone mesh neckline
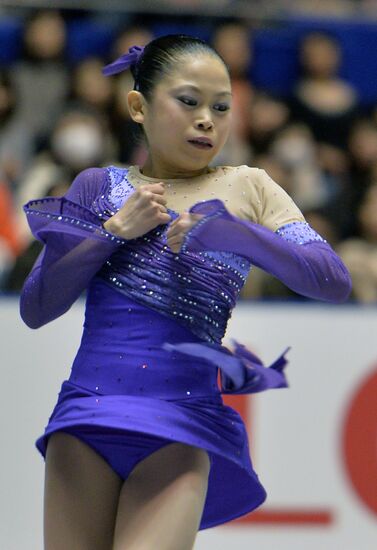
point(134, 172)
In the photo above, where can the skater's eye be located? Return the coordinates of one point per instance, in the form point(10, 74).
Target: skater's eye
point(187, 101)
point(222, 107)
point(192, 102)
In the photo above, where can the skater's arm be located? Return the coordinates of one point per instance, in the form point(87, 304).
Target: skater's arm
point(75, 247)
point(282, 244)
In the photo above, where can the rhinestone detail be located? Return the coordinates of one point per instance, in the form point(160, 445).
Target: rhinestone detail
point(198, 289)
point(299, 233)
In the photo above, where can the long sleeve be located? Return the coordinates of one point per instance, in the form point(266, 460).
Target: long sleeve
point(75, 247)
point(294, 253)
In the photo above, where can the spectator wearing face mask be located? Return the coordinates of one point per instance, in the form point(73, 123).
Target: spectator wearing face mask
point(80, 139)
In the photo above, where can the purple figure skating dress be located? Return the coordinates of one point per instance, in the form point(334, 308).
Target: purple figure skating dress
point(146, 372)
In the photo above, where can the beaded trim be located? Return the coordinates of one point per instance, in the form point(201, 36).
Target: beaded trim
point(70, 220)
point(118, 176)
point(177, 287)
point(61, 201)
point(299, 233)
point(220, 257)
point(201, 222)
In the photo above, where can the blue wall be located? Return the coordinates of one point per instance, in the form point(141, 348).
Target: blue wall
point(275, 67)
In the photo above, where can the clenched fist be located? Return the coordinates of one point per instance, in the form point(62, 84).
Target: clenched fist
point(144, 210)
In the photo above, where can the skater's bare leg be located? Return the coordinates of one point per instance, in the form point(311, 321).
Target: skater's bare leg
point(80, 496)
point(161, 502)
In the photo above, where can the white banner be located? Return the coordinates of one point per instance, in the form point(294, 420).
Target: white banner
point(313, 445)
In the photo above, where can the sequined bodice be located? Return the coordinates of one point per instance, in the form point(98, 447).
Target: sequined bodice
point(198, 289)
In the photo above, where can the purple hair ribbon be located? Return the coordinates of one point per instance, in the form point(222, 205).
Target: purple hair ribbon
point(124, 61)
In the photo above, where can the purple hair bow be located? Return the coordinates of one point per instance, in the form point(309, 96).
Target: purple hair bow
point(124, 61)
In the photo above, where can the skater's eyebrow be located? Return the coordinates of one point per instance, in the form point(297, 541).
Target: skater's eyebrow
point(224, 92)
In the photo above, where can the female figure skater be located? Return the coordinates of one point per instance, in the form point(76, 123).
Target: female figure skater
point(140, 450)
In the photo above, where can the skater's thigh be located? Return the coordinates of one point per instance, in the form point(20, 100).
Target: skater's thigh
point(162, 500)
point(80, 496)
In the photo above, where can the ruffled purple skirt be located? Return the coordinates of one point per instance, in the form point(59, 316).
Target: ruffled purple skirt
point(127, 396)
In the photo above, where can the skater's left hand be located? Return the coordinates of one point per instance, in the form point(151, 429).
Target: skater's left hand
point(178, 229)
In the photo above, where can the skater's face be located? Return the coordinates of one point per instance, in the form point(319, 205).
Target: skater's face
point(192, 101)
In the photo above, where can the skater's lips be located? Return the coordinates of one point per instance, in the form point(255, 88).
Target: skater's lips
point(201, 139)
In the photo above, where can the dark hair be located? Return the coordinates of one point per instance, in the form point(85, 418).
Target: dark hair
point(160, 57)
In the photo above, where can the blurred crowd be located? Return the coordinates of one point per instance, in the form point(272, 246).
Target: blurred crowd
point(319, 144)
point(273, 8)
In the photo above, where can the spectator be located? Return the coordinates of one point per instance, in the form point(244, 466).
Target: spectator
point(17, 273)
point(334, 164)
point(10, 239)
point(41, 78)
point(321, 99)
point(360, 253)
point(90, 89)
point(79, 140)
point(233, 42)
point(267, 117)
point(296, 149)
point(363, 159)
point(15, 139)
point(130, 36)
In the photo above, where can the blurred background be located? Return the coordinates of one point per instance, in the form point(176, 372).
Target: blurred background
point(304, 78)
point(305, 110)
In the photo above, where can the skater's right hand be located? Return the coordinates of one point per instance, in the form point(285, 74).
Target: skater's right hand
point(142, 211)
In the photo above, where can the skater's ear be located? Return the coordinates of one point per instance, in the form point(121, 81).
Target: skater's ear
point(136, 106)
